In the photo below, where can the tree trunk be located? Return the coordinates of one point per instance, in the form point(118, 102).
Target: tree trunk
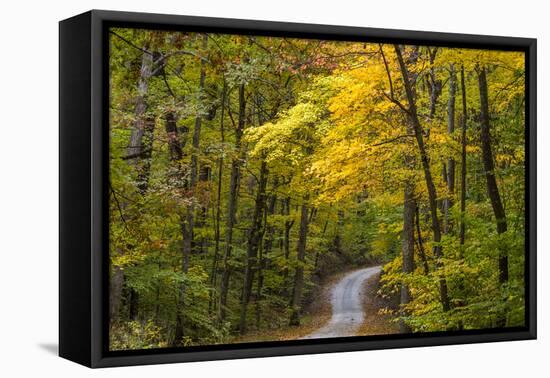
point(286, 243)
point(492, 188)
point(254, 238)
point(450, 174)
point(295, 305)
point(116, 285)
point(488, 163)
point(217, 233)
point(421, 250)
point(463, 167)
point(434, 86)
point(180, 331)
point(193, 174)
point(232, 206)
point(205, 175)
point(141, 136)
point(144, 164)
point(187, 220)
point(139, 150)
point(135, 147)
point(432, 194)
point(178, 181)
point(462, 228)
point(337, 240)
point(407, 249)
point(265, 251)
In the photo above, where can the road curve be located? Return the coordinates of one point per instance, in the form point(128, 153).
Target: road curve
point(347, 305)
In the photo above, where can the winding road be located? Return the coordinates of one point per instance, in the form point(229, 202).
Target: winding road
point(347, 305)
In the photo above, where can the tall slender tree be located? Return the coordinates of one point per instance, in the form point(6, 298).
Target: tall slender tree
point(407, 248)
point(296, 302)
point(492, 186)
point(450, 169)
point(253, 244)
point(463, 168)
point(232, 204)
point(412, 113)
point(139, 156)
point(217, 220)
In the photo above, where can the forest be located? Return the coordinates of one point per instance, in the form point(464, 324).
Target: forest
point(246, 171)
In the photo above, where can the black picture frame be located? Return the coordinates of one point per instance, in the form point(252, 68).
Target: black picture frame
point(83, 152)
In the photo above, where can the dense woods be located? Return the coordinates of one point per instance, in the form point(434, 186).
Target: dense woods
point(244, 170)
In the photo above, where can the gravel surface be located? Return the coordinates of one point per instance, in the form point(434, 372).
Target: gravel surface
point(347, 305)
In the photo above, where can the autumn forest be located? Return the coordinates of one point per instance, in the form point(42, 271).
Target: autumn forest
point(249, 176)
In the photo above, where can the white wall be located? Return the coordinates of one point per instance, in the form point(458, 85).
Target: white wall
point(28, 186)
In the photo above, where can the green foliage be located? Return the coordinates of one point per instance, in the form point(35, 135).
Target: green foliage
point(136, 335)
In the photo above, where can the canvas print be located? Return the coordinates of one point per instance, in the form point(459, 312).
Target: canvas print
point(270, 188)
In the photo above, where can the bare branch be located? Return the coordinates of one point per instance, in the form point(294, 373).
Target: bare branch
point(391, 97)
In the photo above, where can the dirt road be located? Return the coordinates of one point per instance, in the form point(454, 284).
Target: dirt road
point(347, 305)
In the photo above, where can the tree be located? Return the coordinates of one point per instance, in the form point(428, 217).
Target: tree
point(232, 206)
point(463, 168)
point(179, 179)
point(450, 169)
point(432, 194)
point(407, 247)
point(255, 234)
point(139, 156)
point(492, 187)
point(295, 304)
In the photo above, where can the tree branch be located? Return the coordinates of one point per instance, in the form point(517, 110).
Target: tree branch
point(391, 97)
point(120, 210)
